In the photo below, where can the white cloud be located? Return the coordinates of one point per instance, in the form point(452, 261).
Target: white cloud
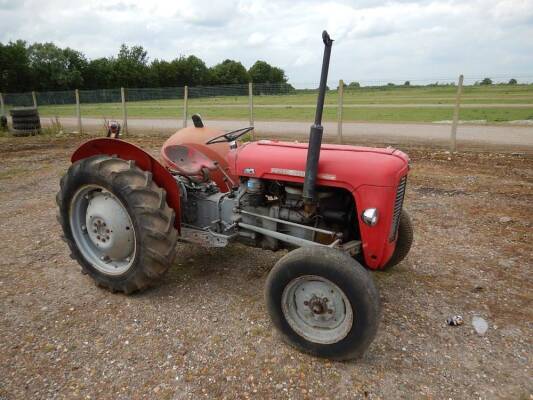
point(375, 40)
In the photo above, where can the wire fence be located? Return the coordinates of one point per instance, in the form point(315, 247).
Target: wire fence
point(443, 100)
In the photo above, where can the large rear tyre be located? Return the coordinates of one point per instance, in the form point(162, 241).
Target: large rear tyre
point(403, 242)
point(323, 302)
point(116, 222)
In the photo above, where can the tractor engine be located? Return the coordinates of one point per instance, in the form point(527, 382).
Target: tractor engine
point(267, 214)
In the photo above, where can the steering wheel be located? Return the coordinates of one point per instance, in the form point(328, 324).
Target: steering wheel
point(230, 136)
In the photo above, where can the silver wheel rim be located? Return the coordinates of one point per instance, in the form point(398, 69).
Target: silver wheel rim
point(102, 229)
point(317, 309)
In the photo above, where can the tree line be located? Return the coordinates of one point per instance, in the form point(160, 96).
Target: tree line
point(47, 67)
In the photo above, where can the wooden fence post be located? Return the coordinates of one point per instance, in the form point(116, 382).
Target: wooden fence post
point(34, 97)
point(185, 104)
point(455, 122)
point(78, 110)
point(339, 110)
point(124, 111)
point(251, 106)
point(2, 105)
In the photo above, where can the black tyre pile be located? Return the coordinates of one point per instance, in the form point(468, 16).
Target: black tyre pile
point(26, 121)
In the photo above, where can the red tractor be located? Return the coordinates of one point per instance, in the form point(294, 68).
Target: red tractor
point(338, 208)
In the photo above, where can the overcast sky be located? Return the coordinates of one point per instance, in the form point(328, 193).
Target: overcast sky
point(374, 40)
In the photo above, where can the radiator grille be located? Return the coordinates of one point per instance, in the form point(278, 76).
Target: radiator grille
point(398, 203)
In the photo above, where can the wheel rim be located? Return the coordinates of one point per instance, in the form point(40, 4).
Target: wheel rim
point(317, 309)
point(102, 229)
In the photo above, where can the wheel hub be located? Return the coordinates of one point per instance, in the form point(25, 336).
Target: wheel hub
point(317, 309)
point(102, 229)
point(318, 305)
point(109, 226)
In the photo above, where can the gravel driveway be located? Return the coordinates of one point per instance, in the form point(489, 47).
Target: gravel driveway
point(203, 332)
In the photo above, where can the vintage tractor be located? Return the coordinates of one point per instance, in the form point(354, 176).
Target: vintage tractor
point(339, 208)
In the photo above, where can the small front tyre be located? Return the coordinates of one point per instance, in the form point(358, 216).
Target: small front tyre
point(403, 242)
point(323, 302)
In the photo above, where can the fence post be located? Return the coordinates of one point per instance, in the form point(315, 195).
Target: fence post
point(124, 111)
point(34, 97)
point(2, 105)
point(185, 104)
point(455, 122)
point(78, 110)
point(339, 110)
point(251, 106)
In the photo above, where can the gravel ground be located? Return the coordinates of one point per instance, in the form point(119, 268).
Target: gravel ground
point(203, 332)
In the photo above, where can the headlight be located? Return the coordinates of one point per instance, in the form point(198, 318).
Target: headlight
point(370, 216)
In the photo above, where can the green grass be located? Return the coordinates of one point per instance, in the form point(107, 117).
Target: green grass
point(300, 106)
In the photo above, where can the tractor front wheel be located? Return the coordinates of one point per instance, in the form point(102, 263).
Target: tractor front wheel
point(116, 222)
point(403, 242)
point(323, 302)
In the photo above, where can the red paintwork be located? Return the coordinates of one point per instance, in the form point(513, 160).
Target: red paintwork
point(187, 160)
point(370, 174)
point(195, 139)
point(143, 160)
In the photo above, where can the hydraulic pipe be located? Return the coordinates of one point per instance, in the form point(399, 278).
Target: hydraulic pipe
point(316, 131)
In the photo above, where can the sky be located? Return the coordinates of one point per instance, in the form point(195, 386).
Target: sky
point(375, 41)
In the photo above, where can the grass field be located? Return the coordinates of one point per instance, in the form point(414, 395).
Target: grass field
point(497, 103)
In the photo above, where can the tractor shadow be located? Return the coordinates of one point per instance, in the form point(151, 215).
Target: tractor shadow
point(235, 265)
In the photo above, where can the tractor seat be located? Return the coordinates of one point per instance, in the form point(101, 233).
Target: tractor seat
point(188, 161)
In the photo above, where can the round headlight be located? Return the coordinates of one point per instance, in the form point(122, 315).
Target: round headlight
point(370, 216)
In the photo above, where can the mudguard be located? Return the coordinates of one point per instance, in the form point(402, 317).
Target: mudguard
point(143, 160)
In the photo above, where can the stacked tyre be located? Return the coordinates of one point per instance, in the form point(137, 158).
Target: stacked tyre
point(26, 121)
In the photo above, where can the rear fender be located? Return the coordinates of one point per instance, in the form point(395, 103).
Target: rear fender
point(143, 160)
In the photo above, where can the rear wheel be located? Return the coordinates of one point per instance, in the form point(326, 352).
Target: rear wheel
point(323, 302)
point(117, 223)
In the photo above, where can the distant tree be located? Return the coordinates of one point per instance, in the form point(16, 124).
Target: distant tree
point(260, 72)
point(165, 73)
point(15, 72)
point(407, 83)
point(278, 75)
point(263, 72)
point(354, 85)
point(229, 72)
point(191, 71)
point(390, 84)
point(486, 81)
point(75, 64)
point(45, 66)
point(55, 68)
point(513, 81)
point(131, 67)
point(99, 74)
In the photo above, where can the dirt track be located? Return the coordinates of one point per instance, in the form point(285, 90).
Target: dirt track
point(203, 332)
point(496, 136)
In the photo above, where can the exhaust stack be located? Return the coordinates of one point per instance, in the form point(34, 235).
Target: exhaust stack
point(316, 131)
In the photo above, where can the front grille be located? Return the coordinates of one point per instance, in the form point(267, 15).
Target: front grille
point(398, 203)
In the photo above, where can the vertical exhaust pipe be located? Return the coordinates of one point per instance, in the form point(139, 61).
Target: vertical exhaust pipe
point(316, 131)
